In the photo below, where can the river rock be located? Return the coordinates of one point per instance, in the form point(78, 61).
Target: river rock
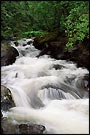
point(83, 82)
point(16, 43)
point(9, 127)
point(52, 44)
point(55, 47)
point(8, 54)
point(80, 54)
point(42, 41)
point(29, 42)
point(6, 99)
point(31, 129)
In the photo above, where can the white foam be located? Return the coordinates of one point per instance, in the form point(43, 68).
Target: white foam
point(35, 83)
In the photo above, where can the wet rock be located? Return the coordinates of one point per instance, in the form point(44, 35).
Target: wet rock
point(10, 127)
point(55, 47)
point(31, 129)
point(81, 55)
point(24, 44)
point(16, 43)
point(29, 42)
point(8, 54)
point(41, 42)
point(83, 82)
point(52, 44)
point(6, 99)
point(44, 51)
point(57, 66)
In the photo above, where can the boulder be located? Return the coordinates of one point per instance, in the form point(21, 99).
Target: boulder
point(6, 99)
point(79, 54)
point(8, 54)
point(42, 41)
point(82, 85)
point(54, 45)
point(29, 42)
point(83, 82)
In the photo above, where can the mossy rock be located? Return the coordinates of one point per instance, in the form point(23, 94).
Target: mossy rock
point(42, 41)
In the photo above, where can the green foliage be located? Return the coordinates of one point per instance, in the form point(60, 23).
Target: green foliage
point(23, 16)
point(77, 24)
point(35, 18)
point(34, 33)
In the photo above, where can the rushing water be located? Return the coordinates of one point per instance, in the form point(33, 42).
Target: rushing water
point(47, 91)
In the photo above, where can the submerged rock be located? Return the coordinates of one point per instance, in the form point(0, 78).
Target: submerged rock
point(82, 83)
point(31, 129)
point(6, 99)
point(8, 54)
point(9, 127)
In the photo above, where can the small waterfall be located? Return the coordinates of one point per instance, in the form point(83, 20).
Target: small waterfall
point(47, 91)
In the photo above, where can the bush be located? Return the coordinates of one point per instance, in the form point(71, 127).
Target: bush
point(77, 24)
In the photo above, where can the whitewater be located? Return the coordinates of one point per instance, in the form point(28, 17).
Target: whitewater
point(47, 91)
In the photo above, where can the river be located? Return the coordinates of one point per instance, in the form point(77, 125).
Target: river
point(47, 91)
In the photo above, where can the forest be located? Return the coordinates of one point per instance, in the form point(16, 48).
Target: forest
point(35, 18)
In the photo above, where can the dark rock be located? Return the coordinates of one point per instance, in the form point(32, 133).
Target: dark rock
point(81, 55)
point(24, 44)
point(16, 43)
point(44, 51)
point(52, 44)
point(6, 99)
point(41, 42)
point(82, 85)
point(55, 47)
point(83, 82)
point(8, 54)
point(9, 127)
point(31, 129)
point(57, 66)
point(29, 42)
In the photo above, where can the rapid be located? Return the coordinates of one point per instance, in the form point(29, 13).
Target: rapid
point(47, 91)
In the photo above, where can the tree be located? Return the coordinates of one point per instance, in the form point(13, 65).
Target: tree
point(25, 18)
